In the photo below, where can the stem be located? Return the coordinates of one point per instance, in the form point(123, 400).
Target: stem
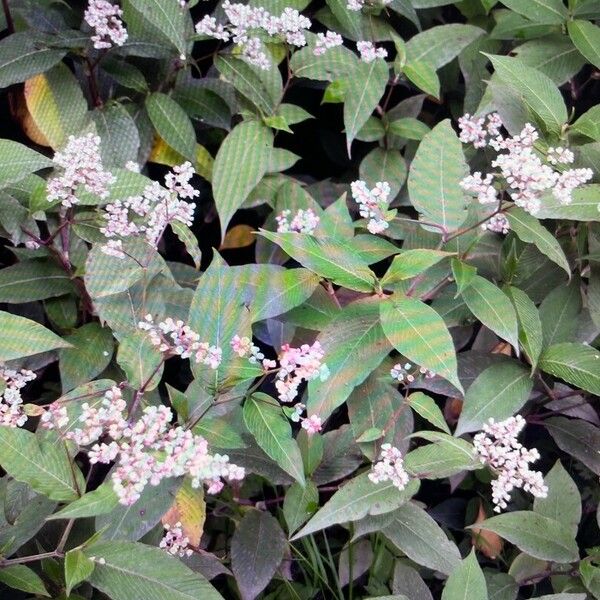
point(7, 562)
point(91, 77)
point(140, 393)
point(10, 25)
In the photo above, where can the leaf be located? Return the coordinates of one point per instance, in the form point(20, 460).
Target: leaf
point(499, 392)
point(366, 84)
point(586, 37)
point(530, 325)
point(356, 499)
point(420, 334)
point(189, 240)
point(189, 509)
point(563, 502)
point(119, 134)
point(530, 230)
point(266, 422)
point(239, 236)
point(550, 12)
point(354, 344)
point(588, 123)
point(78, 567)
point(44, 466)
point(332, 66)
point(466, 581)
point(538, 91)
point(411, 263)
point(18, 161)
point(559, 309)
point(20, 337)
point(31, 280)
point(492, 307)
point(447, 456)
point(409, 128)
point(577, 438)
point(141, 361)
point(434, 178)
point(584, 206)
point(418, 536)
point(577, 364)
point(299, 504)
point(535, 534)
point(424, 76)
point(254, 563)
point(131, 571)
point(20, 577)
point(331, 258)
point(102, 500)
point(425, 406)
point(172, 124)
point(384, 165)
point(245, 152)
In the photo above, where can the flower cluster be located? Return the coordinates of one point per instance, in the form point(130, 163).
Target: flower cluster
point(357, 5)
point(304, 221)
point(148, 450)
point(175, 541)
point(151, 213)
point(368, 52)
point(11, 403)
point(497, 447)
point(175, 338)
point(297, 365)
point(243, 347)
point(312, 424)
point(243, 19)
point(400, 372)
point(390, 467)
point(105, 18)
point(372, 203)
point(521, 167)
point(82, 166)
point(497, 223)
point(325, 41)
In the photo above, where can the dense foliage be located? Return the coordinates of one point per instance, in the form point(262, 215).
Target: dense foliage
point(300, 304)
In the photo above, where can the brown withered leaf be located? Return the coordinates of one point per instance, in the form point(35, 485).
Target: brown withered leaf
point(238, 236)
point(487, 542)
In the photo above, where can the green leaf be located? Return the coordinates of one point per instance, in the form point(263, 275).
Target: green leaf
point(299, 504)
point(20, 337)
point(141, 360)
point(18, 161)
point(447, 456)
point(584, 206)
point(125, 74)
point(252, 562)
point(187, 237)
point(131, 571)
point(384, 165)
point(498, 392)
point(535, 534)
point(588, 123)
point(463, 275)
point(20, 577)
point(265, 420)
point(102, 500)
point(418, 536)
point(538, 91)
point(577, 438)
point(426, 406)
point(586, 37)
point(577, 364)
point(466, 581)
point(172, 124)
point(559, 309)
point(43, 465)
point(366, 84)
point(550, 12)
point(356, 499)
point(245, 152)
point(530, 325)
point(331, 258)
point(409, 128)
point(412, 263)
point(78, 568)
point(493, 308)
point(31, 280)
point(530, 230)
point(424, 76)
point(434, 178)
point(420, 334)
point(563, 502)
point(119, 134)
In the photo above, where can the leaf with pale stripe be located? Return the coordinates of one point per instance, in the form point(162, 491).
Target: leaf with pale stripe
point(33, 280)
point(466, 581)
point(18, 161)
point(577, 364)
point(543, 12)
point(586, 37)
point(530, 325)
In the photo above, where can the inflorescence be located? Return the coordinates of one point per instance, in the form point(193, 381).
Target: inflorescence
point(105, 18)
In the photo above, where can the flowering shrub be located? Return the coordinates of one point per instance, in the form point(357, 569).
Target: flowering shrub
point(300, 301)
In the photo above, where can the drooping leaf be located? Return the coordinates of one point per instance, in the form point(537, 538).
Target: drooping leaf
point(578, 438)
point(18, 161)
point(78, 567)
point(530, 325)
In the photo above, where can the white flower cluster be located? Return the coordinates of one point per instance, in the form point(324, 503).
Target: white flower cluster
point(11, 403)
point(177, 339)
point(521, 166)
point(368, 52)
point(390, 467)
point(497, 223)
point(82, 166)
point(401, 373)
point(175, 542)
point(497, 447)
point(304, 221)
point(148, 450)
point(357, 5)
point(243, 19)
point(325, 41)
point(297, 365)
point(105, 18)
point(151, 213)
point(372, 203)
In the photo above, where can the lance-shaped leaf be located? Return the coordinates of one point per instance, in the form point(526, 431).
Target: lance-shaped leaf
point(366, 84)
point(31, 280)
point(18, 161)
point(578, 438)
point(434, 178)
point(78, 567)
point(530, 325)
point(466, 581)
point(426, 406)
point(101, 501)
point(271, 429)
point(577, 364)
point(20, 577)
point(412, 263)
point(299, 504)
point(420, 334)
point(548, 12)
point(586, 37)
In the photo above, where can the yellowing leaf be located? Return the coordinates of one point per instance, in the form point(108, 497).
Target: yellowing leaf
point(189, 509)
point(238, 237)
point(163, 154)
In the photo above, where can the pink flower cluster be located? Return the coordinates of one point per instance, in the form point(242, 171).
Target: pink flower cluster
point(11, 403)
point(304, 221)
point(175, 338)
point(497, 223)
point(105, 18)
point(243, 19)
point(312, 424)
point(325, 41)
point(497, 447)
point(151, 213)
point(390, 467)
point(297, 365)
point(148, 450)
point(402, 372)
point(82, 166)
point(522, 168)
point(175, 542)
point(368, 52)
point(372, 203)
